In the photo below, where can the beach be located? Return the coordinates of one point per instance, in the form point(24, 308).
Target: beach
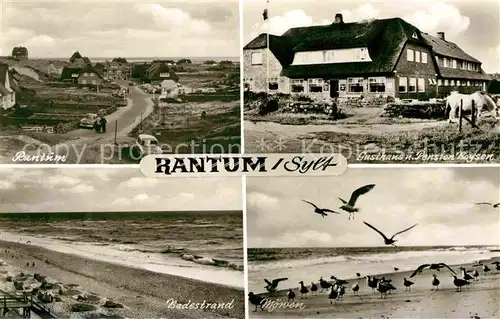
point(142, 293)
point(480, 299)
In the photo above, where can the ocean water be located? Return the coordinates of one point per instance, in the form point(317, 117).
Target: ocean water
point(149, 59)
point(156, 241)
point(309, 264)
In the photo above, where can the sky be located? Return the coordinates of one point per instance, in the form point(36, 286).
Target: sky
point(113, 28)
point(473, 25)
point(111, 189)
point(440, 200)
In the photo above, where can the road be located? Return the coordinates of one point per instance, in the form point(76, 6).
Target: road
point(85, 146)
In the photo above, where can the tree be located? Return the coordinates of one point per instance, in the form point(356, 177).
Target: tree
point(184, 61)
point(120, 60)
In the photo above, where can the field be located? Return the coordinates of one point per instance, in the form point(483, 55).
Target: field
point(368, 135)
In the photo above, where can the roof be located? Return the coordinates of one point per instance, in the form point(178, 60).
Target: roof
point(157, 68)
point(20, 51)
point(147, 137)
point(384, 39)
point(4, 69)
point(67, 72)
point(447, 48)
point(75, 55)
point(90, 69)
point(168, 83)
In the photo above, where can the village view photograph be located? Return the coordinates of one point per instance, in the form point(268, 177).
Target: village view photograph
point(111, 243)
point(378, 81)
point(379, 242)
point(119, 82)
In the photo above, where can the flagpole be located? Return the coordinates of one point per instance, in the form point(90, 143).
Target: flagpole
point(267, 52)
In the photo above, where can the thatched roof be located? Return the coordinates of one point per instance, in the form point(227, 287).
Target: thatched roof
point(4, 70)
point(447, 48)
point(157, 68)
point(463, 74)
point(75, 56)
point(67, 72)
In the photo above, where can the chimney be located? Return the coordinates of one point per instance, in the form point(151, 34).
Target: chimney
point(441, 36)
point(338, 18)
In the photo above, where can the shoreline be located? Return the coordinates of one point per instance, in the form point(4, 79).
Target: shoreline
point(143, 293)
point(478, 300)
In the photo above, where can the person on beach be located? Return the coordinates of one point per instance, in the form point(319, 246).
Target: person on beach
point(103, 124)
point(97, 127)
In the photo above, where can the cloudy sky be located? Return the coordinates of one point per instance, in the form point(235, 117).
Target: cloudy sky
point(57, 28)
point(107, 189)
point(473, 25)
point(441, 200)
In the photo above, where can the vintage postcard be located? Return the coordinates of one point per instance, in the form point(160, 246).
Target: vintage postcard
point(378, 81)
point(112, 243)
point(375, 243)
point(101, 82)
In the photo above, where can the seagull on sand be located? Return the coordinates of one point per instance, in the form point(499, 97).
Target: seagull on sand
point(465, 275)
point(338, 281)
point(435, 282)
point(333, 294)
point(303, 289)
point(291, 295)
point(372, 282)
point(407, 284)
point(350, 205)
point(384, 288)
point(431, 266)
point(389, 241)
point(486, 268)
point(324, 284)
point(256, 300)
point(459, 282)
point(314, 288)
point(490, 204)
point(475, 273)
point(355, 288)
point(322, 211)
point(273, 285)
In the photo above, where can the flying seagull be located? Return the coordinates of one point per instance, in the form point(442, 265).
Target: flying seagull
point(491, 204)
point(321, 211)
point(389, 241)
point(431, 266)
point(350, 206)
point(272, 285)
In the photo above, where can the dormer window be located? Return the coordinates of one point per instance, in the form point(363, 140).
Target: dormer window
point(415, 36)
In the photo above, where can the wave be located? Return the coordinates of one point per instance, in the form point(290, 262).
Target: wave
point(211, 262)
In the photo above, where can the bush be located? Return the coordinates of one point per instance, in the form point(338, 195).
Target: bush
point(271, 105)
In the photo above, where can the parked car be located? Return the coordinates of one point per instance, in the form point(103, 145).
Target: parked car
point(89, 120)
point(145, 145)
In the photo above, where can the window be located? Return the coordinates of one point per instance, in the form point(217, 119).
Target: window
point(452, 82)
point(424, 57)
point(446, 83)
point(468, 83)
point(315, 85)
point(454, 63)
point(476, 83)
point(273, 84)
point(257, 58)
point(248, 84)
point(432, 81)
point(355, 85)
point(376, 84)
point(410, 55)
point(440, 82)
point(94, 82)
point(412, 85)
point(414, 35)
point(458, 82)
point(297, 85)
point(469, 66)
point(445, 62)
point(403, 84)
point(421, 85)
point(417, 56)
point(464, 65)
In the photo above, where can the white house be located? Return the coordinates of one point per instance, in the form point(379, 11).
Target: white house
point(169, 88)
point(8, 87)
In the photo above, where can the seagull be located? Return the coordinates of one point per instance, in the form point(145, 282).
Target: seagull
point(272, 285)
point(465, 275)
point(324, 284)
point(490, 204)
point(431, 266)
point(321, 211)
point(396, 268)
point(303, 289)
point(314, 287)
point(291, 295)
point(389, 241)
point(435, 282)
point(350, 206)
point(475, 274)
point(355, 288)
point(372, 282)
point(358, 274)
point(333, 294)
point(383, 288)
point(486, 268)
point(407, 284)
point(338, 281)
point(256, 300)
point(459, 282)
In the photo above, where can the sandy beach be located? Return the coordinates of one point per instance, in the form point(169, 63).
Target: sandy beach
point(143, 294)
point(481, 299)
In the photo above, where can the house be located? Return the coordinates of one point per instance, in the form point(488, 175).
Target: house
point(158, 72)
point(87, 75)
point(20, 53)
point(114, 70)
point(387, 57)
point(8, 88)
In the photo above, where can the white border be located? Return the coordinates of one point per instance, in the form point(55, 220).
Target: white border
point(242, 89)
point(245, 243)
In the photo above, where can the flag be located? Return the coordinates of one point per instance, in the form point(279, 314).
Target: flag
point(264, 14)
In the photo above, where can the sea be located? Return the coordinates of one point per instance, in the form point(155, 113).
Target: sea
point(202, 245)
point(149, 59)
point(309, 264)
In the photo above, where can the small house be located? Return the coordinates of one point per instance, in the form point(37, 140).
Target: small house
point(20, 53)
point(8, 88)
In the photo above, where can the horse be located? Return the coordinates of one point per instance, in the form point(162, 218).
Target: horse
point(481, 100)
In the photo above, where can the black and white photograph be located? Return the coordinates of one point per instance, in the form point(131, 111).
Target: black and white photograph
point(407, 82)
point(111, 243)
point(109, 82)
point(375, 243)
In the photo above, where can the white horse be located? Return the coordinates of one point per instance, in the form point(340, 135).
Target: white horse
point(481, 100)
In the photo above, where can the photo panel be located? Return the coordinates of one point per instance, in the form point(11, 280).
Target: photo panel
point(375, 242)
point(109, 82)
point(111, 243)
point(379, 81)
